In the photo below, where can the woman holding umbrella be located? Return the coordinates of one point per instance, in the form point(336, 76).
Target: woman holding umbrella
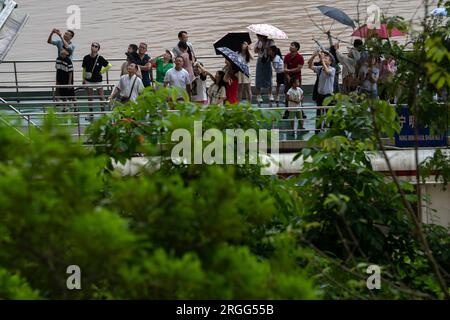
point(263, 67)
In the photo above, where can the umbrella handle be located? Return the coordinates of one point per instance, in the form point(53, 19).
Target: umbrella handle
point(319, 44)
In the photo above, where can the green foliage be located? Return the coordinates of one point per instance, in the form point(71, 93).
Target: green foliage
point(13, 287)
point(135, 128)
point(357, 216)
point(221, 231)
point(182, 232)
point(438, 166)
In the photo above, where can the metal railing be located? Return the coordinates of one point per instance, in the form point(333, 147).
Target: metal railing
point(23, 73)
point(77, 122)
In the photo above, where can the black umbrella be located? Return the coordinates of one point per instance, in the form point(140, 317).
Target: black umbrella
point(235, 59)
point(337, 15)
point(233, 41)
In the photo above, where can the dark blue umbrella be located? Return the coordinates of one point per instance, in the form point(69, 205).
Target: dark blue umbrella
point(337, 15)
point(235, 59)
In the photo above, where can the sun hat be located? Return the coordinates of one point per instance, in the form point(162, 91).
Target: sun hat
point(172, 56)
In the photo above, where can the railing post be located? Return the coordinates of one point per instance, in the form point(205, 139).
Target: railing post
point(79, 127)
point(16, 80)
point(29, 125)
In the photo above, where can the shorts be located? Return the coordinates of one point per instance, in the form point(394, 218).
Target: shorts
point(100, 84)
point(280, 78)
point(297, 114)
point(202, 102)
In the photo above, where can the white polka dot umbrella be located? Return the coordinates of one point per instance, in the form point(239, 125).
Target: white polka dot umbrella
point(268, 30)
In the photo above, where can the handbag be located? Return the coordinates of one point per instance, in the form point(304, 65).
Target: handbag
point(125, 99)
point(316, 87)
point(88, 75)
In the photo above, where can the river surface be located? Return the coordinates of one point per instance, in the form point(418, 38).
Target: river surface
point(115, 24)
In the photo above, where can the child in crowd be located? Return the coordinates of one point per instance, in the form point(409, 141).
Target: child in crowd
point(278, 64)
point(217, 91)
point(295, 99)
point(199, 93)
point(245, 86)
point(232, 82)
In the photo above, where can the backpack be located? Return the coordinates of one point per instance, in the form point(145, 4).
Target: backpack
point(316, 86)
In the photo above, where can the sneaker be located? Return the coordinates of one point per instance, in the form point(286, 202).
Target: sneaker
point(89, 118)
point(259, 99)
point(271, 98)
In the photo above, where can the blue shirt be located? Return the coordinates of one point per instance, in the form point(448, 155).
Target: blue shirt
point(145, 74)
point(326, 81)
point(60, 44)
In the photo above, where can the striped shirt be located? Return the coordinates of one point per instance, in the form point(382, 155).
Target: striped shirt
point(64, 68)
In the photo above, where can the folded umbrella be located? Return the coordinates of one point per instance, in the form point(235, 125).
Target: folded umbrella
point(382, 32)
point(439, 12)
point(268, 30)
point(338, 15)
point(233, 41)
point(235, 59)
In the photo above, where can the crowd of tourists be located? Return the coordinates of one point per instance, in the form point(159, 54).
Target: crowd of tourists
point(178, 67)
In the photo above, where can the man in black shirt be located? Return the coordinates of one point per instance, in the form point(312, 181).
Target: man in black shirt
point(94, 65)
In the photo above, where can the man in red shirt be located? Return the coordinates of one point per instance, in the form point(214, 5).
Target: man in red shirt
point(293, 64)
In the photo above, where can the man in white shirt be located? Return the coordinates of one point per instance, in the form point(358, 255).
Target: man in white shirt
point(129, 86)
point(177, 77)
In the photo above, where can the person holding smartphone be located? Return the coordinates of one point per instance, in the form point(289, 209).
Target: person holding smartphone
point(62, 41)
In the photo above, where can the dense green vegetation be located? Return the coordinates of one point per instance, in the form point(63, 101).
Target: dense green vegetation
point(224, 231)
